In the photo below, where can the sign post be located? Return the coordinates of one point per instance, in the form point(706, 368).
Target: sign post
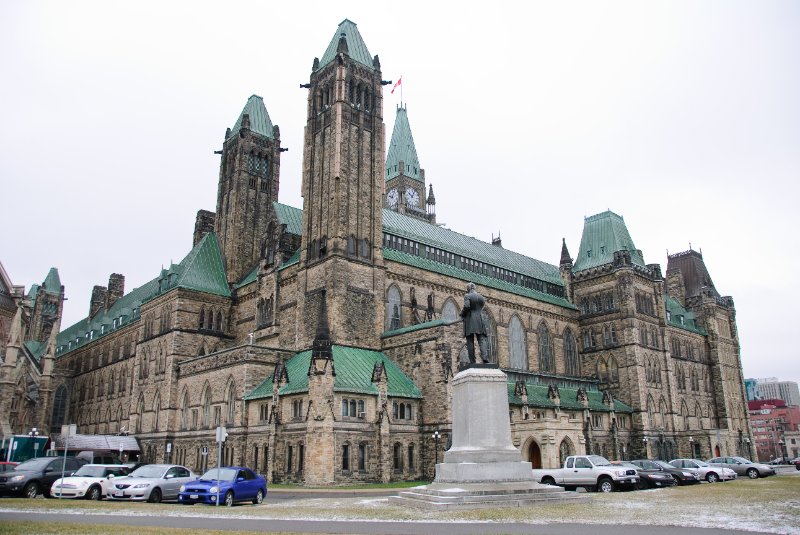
point(66, 432)
point(222, 434)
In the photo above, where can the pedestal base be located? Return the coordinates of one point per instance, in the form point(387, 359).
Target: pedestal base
point(444, 496)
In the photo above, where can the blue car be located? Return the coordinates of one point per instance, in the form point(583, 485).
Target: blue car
point(228, 484)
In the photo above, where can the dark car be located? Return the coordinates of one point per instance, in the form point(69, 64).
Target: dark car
point(651, 475)
point(227, 485)
point(681, 476)
point(35, 476)
point(796, 462)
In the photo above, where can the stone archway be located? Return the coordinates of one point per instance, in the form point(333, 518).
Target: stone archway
point(716, 451)
point(535, 455)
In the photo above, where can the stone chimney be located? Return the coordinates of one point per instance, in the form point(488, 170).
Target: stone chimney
point(675, 285)
point(203, 225)
point(98, 301)
point(116, 289)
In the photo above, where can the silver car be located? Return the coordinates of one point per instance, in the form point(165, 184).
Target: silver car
point(712, 474)
point(152, 483)
point(743, 467)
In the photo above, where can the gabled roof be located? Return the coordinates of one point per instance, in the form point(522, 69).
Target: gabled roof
point(201, 270)
point(568, 398)
point(290, 216)
point(402, 149)
point(356, 48)
point(440, 237)
point(354, 368)
point(680, 317)
point(603, 235)
point(260, 122)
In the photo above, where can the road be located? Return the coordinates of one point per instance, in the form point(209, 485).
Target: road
point(358, 527)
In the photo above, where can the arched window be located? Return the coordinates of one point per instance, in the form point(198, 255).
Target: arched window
point(450, 310)
point(59, 407)
point(572, 364)
point(202, 323)
point(565, 449)
point(110, 383)
point(185, 410)
point(156, 411)
point(602, 370)
point(206, 404)
point(651, 414)
point(613, 370)
point(684, 415)
point(393, 313)
point(662, 409)
point(231, 404)
point(219, 321)
point(517, 351)
point(411, 457)
point(397, 458)
point(140, 413)
point(491, 331)
point(345, 457)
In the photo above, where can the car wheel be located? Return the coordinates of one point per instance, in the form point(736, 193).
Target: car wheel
point(642, 485)
point(605, 485)
point(752, 473)
point(259, 497)
point(93, 494)
point(548, 481)
point(229, 499)
point(155, 496)
point(30, 490)
point(712, 477)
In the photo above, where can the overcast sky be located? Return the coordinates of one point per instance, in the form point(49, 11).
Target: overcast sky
point(682, 117)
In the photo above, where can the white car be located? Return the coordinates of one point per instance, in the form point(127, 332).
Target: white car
point(712, 474)
point(91, 481)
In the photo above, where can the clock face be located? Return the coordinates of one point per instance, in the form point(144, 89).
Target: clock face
point(412, 197)
point(392, 197)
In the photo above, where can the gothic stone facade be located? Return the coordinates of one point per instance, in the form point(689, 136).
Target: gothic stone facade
point(603, 355)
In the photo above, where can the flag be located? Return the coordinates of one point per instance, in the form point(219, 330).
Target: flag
point(399, 81)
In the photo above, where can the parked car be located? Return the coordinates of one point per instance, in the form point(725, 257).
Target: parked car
point(704, 470)
point(651, 476)
point(228, 484)
point(7, 467)
point(796, 462)
point(91, 481)
point(152, 483)
point(680, 475)
point(743, 467)
point(35, 476)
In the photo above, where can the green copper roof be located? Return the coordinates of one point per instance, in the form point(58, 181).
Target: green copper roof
point(356, 48)
point(418, 327)
point(35, 348)
point(448, 240)
point(290, 216)
point(681, 318)
point(402, 149)
point(603, 235)
point(250, 277)
point(52, 283)
point(470, 276)
point(295, 259)
point(202, 270)
point(537, 397)
point(354, 368)
point(260, 122)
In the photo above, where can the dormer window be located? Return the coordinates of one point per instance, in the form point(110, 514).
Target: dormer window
point(669, 315)
point(602, 249)
point(589, 253)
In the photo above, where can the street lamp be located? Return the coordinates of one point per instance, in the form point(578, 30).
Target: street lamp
point(33, 433)
point(691, 446)
point(436, 438)
point(645, 440)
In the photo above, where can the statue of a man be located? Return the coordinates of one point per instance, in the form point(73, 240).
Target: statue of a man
point(474, 325)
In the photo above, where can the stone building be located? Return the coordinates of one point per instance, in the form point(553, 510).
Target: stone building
point(325, 338)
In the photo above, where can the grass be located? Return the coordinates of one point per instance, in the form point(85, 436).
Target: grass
point(771, 504)
point(65, 528)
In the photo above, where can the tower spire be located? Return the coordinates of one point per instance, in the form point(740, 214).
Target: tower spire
point(566, 260)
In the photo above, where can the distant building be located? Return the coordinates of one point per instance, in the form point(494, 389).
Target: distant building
point(775, 427)
point(772, 388)
point(751, 387)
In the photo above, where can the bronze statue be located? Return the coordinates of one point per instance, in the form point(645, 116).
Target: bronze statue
point(472, 314)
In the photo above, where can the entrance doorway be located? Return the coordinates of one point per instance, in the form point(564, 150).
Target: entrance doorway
point(535, 455)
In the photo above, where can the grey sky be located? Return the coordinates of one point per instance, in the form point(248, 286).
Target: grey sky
point(682, 117)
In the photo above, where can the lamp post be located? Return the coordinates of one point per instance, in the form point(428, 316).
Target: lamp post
point(34, 433)
point(436, 437)
point(691, 447)
point(645, 440)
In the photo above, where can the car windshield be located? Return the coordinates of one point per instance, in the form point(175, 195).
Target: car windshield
point(219, 474)
point(599, 461)
point(34, 464)
point(90, 471)
point(663, 464)
point(148, 471)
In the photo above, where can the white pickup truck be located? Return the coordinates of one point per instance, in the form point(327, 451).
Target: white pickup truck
point(588, 471)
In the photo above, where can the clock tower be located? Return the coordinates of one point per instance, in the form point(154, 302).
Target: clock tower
point(405, 180)
point(343, 163)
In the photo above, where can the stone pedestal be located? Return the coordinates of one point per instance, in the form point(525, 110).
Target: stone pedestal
point(482, 468)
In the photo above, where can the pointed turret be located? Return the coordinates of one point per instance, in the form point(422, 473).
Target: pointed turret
point(431, 205)
point(52, 283)
point(249, 180)
point(347, 41)
point(566, 259)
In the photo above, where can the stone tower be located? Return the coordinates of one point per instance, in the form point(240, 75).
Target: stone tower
point(249, 176)
point(343, 167)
